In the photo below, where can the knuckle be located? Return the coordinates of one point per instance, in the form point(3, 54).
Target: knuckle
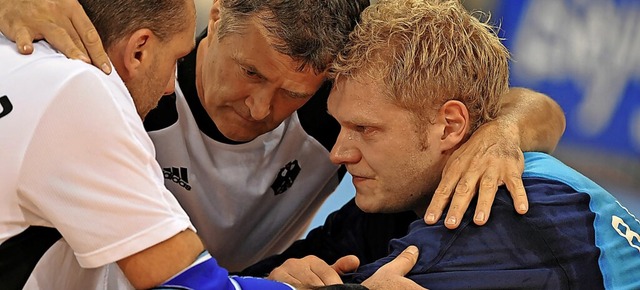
point(474, 163)
point(53, 28)
point(484, 204)
point(462, 189)
point(489, 182)
point(515, 175)
point(442, 191)
point(456, 162)
point(406, 258)
point(277, 272)
point(62, 6)
point(290, 263)
point(92, 36)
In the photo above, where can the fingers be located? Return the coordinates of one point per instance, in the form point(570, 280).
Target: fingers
point(403, 263)
point(62, 23)
point(486, 195)
point(439, 201)
point(24, 40)
point(63, 37)
point(308, 271)
point(346, 264)
point(442, 194)
point(463, 194)
point(281, 275)
point(392, 274)
point(327, 275)
point(512, 177)
point(518, 193)
point(485, 162)
point(89, 39)
point(457, 182)
point(293, 271)
point(486, 183)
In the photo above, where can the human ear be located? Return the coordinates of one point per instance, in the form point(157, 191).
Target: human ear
point(136, 53)
point(455, 124)
point(214, 16)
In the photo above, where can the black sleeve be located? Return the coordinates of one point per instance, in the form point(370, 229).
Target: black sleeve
point(347, 231)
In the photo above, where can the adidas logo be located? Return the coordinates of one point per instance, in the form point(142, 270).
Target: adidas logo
point(177, 175)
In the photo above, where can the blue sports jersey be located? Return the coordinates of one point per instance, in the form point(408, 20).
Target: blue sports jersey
point(575, 236)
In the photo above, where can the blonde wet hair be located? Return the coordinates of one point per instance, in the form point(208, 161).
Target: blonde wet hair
point(426, 52)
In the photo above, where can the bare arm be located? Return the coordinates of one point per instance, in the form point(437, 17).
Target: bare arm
point(182, 263)
point(154, 265)
point(538, 120)
point(63, 23)
point(528, 121)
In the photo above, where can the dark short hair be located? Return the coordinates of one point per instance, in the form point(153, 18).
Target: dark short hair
point(116, 19)
point(309, 31)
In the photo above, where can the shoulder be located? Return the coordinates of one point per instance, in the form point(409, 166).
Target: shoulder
point(49, 82)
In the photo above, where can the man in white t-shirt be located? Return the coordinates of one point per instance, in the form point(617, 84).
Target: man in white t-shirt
point(245, 148)
point(81, 190)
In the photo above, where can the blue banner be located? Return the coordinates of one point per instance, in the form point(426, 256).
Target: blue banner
point(585, 54)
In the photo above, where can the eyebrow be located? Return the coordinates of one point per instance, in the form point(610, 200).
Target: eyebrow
point(297, 95)
point(248, 66)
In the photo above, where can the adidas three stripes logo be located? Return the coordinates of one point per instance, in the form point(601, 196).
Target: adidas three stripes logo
point(178, 175)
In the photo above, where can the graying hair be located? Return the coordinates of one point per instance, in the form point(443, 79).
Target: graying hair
point(311, 32)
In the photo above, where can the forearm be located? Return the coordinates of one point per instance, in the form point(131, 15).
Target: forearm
point(535, 120)
point(158, 263)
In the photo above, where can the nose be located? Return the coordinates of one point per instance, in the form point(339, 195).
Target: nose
point(171, 86)
point(344, 151)
point(259, 104)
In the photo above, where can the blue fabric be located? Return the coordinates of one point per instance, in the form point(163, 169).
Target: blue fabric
point(565, 241)
point(616, 229)
point(208, 275)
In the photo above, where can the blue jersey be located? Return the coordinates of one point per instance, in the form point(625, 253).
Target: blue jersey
point(575, 236)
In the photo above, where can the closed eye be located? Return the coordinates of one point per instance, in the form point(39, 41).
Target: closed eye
point(360, 129)
point(365, 131)
point(251, 73)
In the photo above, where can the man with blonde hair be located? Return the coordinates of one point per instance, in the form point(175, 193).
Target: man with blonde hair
point(415, 81)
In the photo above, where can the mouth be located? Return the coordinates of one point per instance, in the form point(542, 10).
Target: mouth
point(359, 178)
point(246, 117)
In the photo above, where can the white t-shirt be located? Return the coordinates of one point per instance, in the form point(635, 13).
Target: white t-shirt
point(76, 158)
point(251, 200)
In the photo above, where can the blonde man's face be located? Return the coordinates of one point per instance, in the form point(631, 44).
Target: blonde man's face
point(393, 169)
